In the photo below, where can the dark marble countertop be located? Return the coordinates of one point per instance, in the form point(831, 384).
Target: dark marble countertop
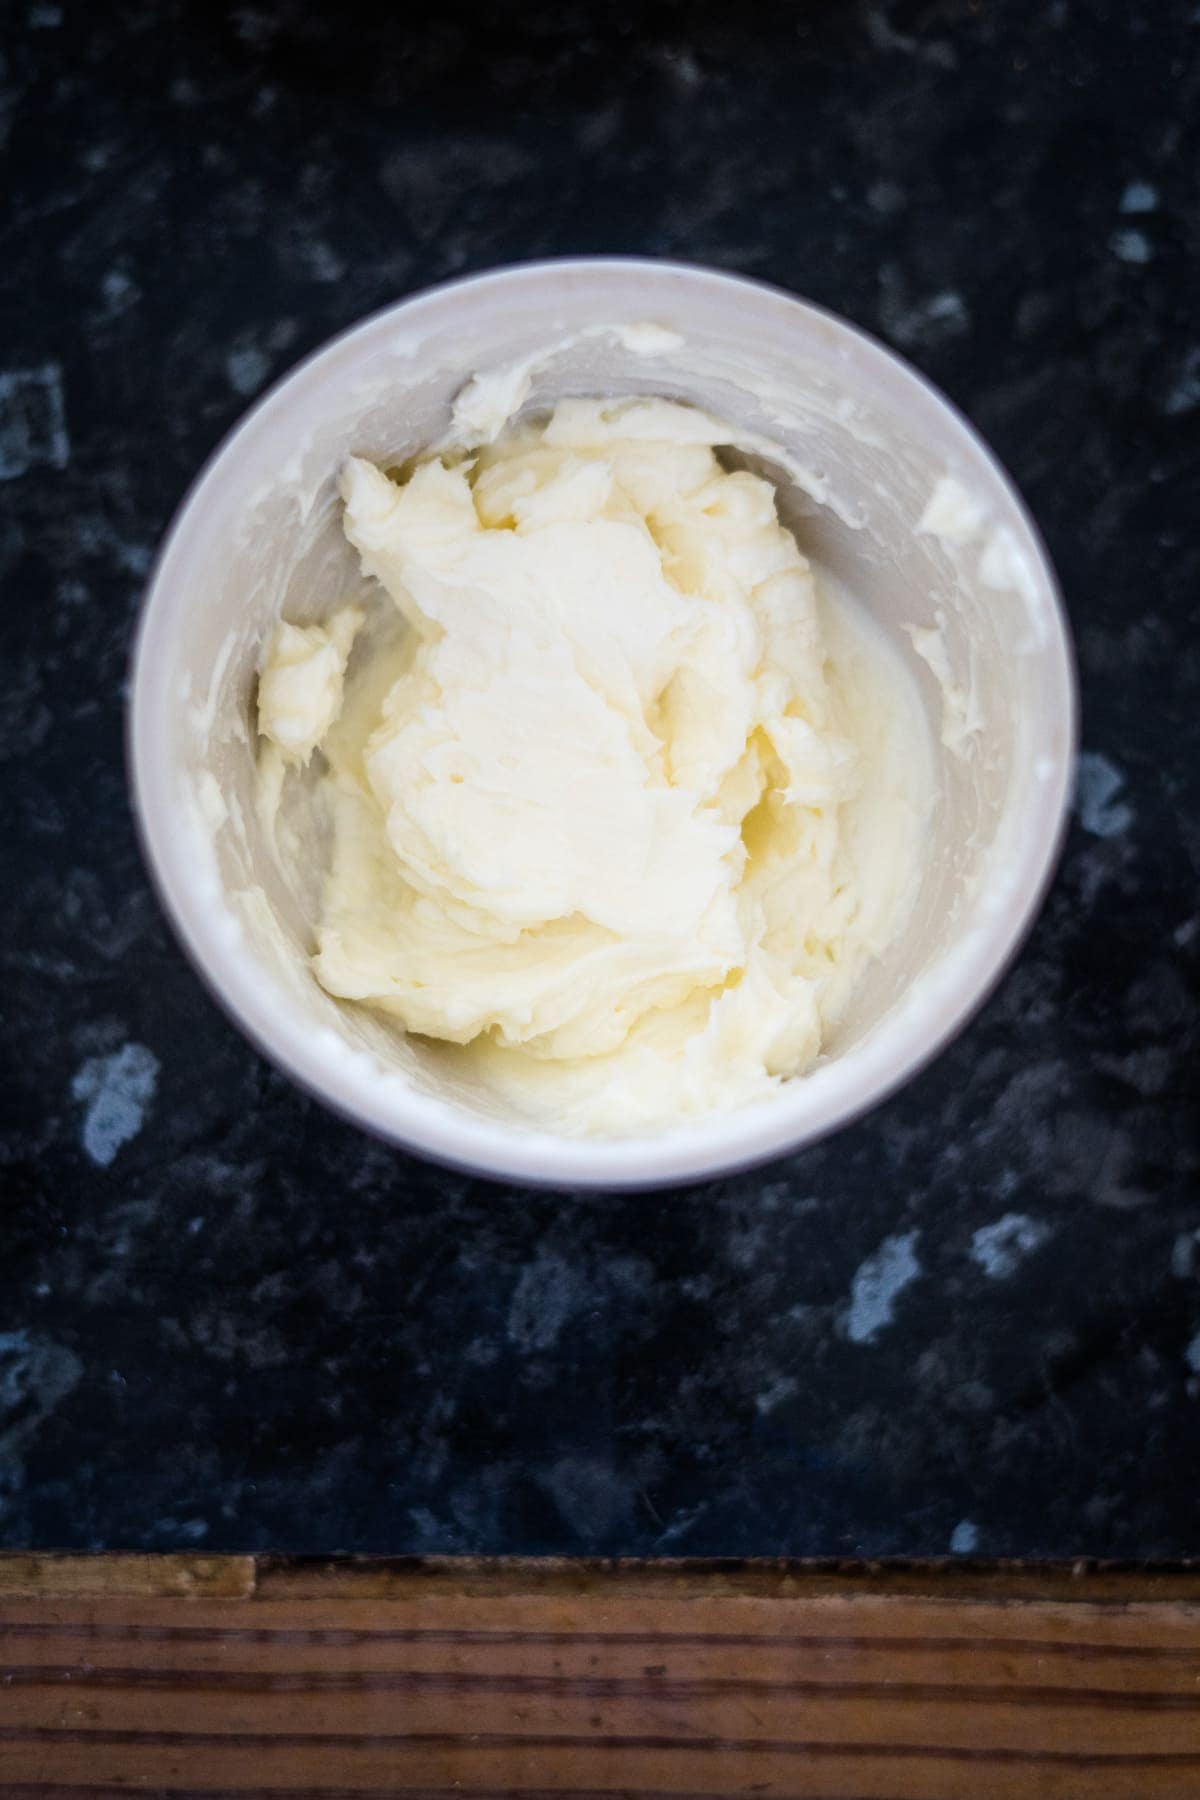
point(227, 1320)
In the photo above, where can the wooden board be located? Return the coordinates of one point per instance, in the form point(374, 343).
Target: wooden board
point(201, 1677)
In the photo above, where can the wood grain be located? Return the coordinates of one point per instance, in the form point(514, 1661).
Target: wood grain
point(201, 1677)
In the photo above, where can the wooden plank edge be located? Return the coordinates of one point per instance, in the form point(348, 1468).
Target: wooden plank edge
point(278, 1577)
point(118, 1575)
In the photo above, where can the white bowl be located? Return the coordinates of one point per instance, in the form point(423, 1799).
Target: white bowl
point(259, 534)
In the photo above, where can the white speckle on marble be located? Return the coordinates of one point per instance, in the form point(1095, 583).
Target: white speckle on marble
point(1183, 1254)
point(1131, 246)
point(1098, 782)
point(946, 308)
point(322, 262)
point(96, 536)
point(120, 292)
point(964, 1538)
point(680, 1525)
point(542, 1301)
point(744, 1248)
point(35, 1375)
point(1002, 1247)
point(253, 25)
point(775, 1194)
point(192, 1530)
point(1192, 1355)
point(939, 316)
point(1147, 1069)
point(247, 369)
point(878, 1283)
point(884, 36)
point(24, 1361)
point(33, 421)
point(118, 1090)
point(775, 1393)
point(1139, 197)
point(592, 1498)
point(1184, 393)
point(885, 197)
point(683, 67)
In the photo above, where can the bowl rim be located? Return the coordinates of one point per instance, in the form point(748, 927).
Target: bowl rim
point(448, 1134)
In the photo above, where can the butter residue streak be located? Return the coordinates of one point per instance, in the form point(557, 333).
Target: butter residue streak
point(486, 403)
point(608, 814)
point(951, 512)
point(962, 719)
point(300, 687)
